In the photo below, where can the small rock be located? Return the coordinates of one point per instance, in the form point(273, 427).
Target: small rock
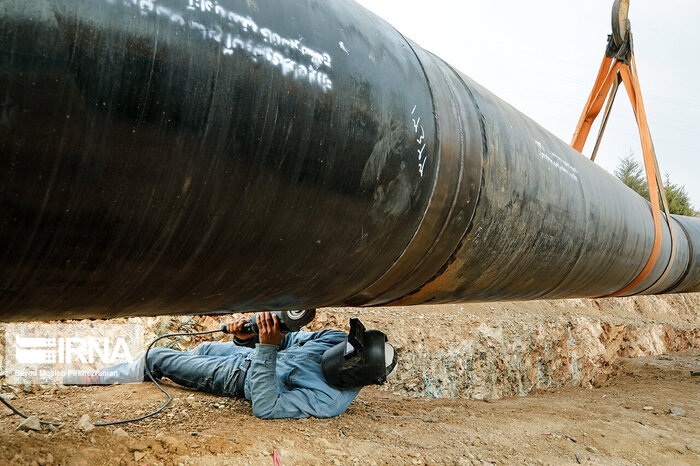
point(8, 396)
point(119, 432)
point(52, 428)
point(138, 455)
point(84, 424)
point(31, 423)
point(160, 435)
point(591, 449)
point(324, 443)
point(49, 458)
point(648, 408)
point(170, 444)
point(334, 452)
point(137, 446)
point(677, 412)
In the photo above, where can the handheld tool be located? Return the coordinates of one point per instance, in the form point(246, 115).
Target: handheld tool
point(290, 321)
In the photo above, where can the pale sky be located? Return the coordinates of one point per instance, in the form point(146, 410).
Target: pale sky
point(542, 57)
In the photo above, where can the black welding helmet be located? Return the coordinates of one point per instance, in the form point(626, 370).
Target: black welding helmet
point(365, 358)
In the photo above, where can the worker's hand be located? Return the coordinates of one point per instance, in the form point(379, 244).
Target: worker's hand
point(235, 328)
point(270, 332)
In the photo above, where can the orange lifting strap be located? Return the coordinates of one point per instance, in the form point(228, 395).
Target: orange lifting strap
point(618, 67)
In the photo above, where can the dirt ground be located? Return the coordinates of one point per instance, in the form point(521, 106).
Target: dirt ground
point(625, 420)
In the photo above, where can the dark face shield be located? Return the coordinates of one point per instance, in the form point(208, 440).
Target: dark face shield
point(364, 359)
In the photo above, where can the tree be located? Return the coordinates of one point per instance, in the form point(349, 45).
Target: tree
point(678, 199)
point(631, 173)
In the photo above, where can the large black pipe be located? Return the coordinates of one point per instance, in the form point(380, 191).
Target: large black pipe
point(184, 156)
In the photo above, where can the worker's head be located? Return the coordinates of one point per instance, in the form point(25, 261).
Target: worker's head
point(365, 358)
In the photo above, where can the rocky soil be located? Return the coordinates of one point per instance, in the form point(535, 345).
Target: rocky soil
point(628, 420)
point(508, 349)
point(602, 377)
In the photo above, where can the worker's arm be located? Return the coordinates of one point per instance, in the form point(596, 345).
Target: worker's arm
point(268, 403)
point(299, 403)
point(300, 338)
point(292, 339)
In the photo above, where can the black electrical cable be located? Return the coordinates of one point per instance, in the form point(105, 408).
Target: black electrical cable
point(20, 413)
point(148, 372)
point(153, 379)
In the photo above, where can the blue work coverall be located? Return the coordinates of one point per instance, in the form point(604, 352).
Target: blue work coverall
point(283, 381)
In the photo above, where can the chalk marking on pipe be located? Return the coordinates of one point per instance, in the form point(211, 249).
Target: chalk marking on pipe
point(420, 140)
point(556, 161)
point(238, 32)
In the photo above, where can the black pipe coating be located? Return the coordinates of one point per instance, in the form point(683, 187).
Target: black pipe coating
point(188, 156)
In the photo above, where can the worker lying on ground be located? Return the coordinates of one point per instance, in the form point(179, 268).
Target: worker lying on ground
point(296, 375)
